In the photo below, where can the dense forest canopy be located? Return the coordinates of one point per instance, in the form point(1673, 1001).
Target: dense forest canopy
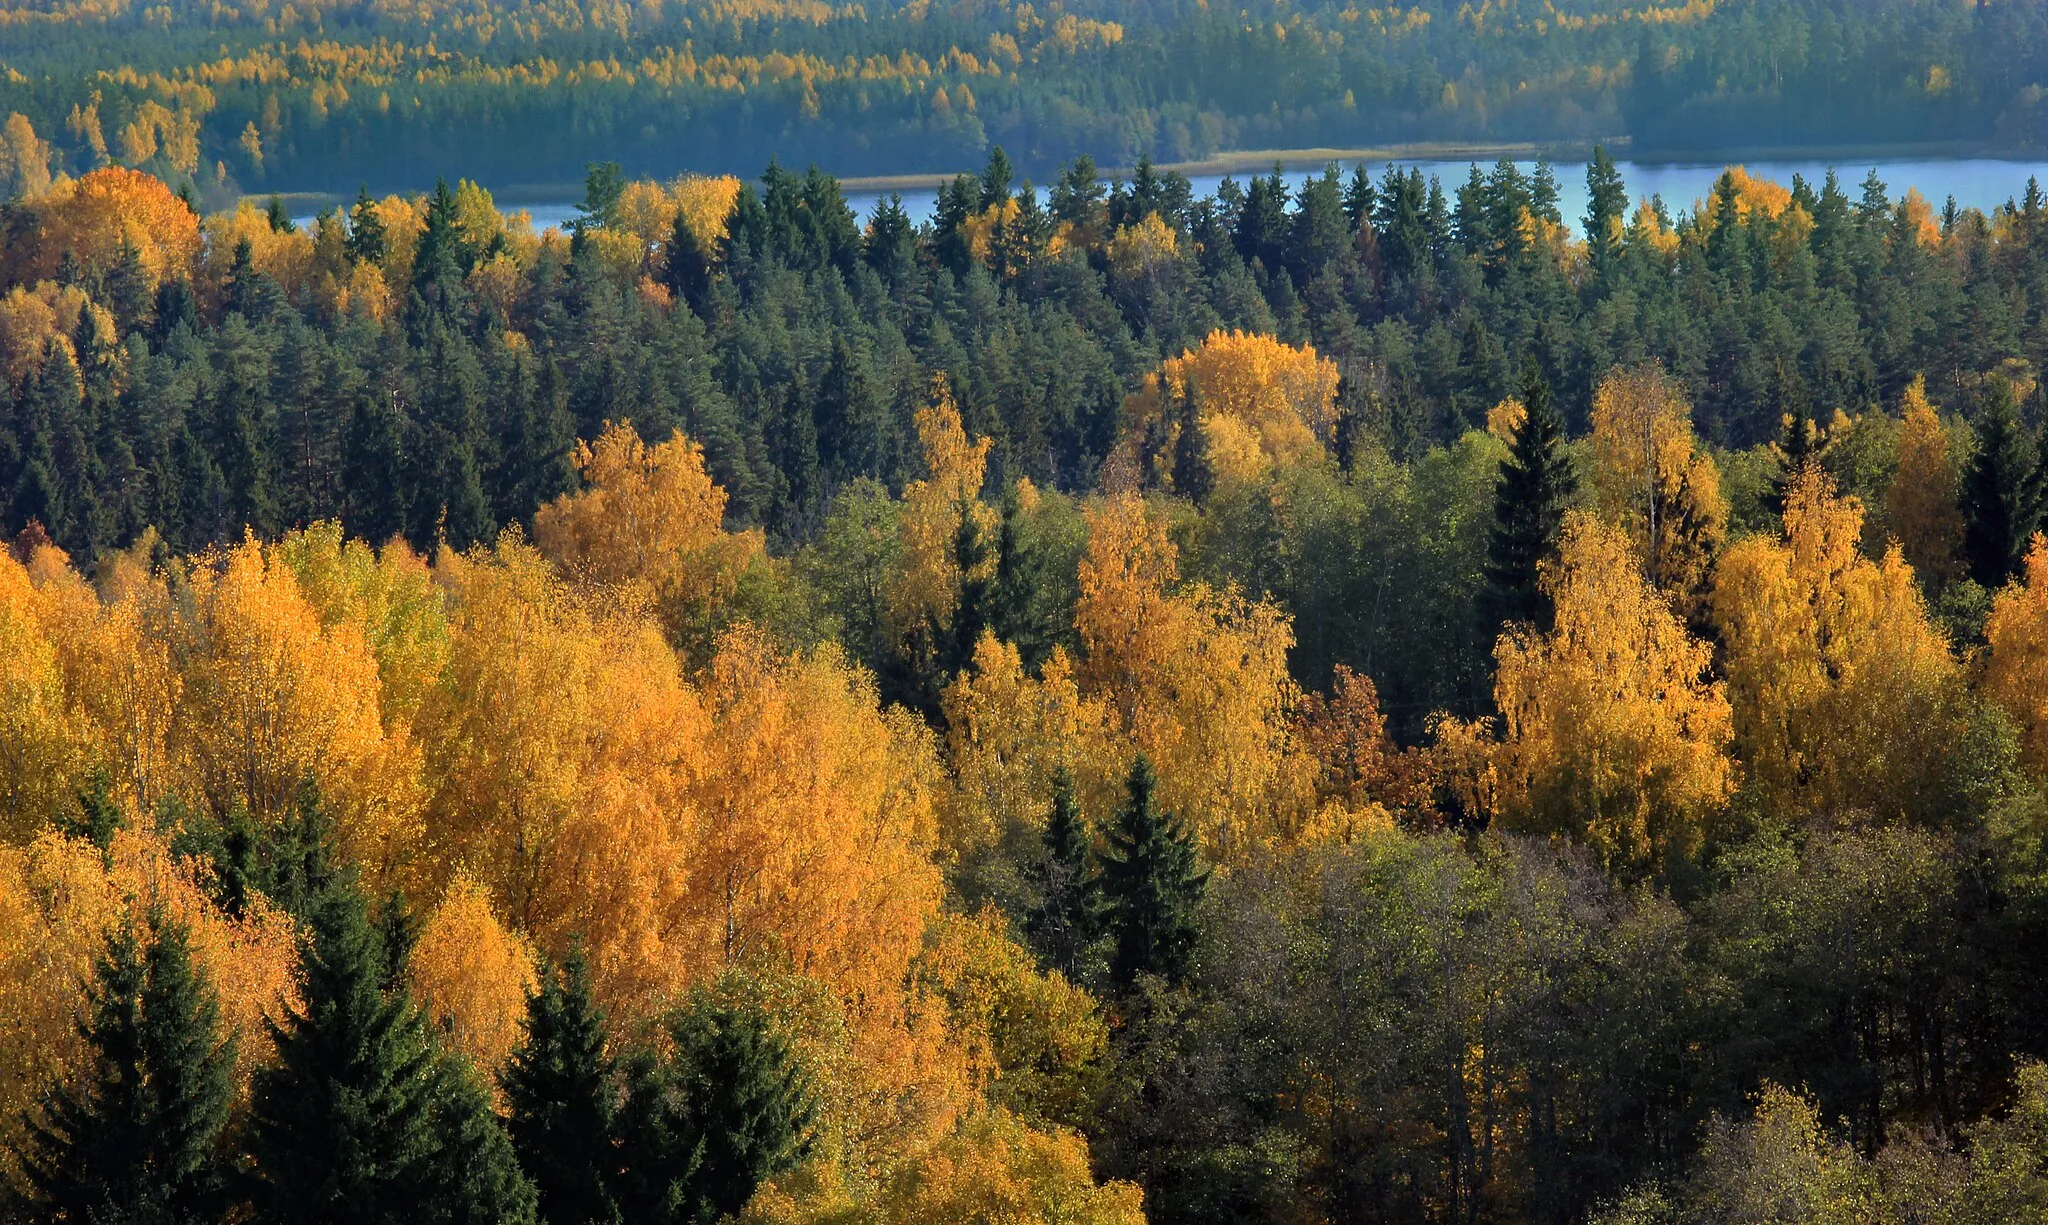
point(1374, 702)
point(322, 96)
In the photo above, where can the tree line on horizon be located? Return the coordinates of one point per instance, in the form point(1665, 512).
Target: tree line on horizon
point(321, 96)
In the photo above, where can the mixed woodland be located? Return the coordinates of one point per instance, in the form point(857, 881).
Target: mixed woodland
point(1373, 702)
point(321, 95)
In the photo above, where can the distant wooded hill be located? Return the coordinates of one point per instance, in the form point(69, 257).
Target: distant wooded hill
point(322, 95)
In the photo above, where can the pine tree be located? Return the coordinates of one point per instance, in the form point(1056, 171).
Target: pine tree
point(140, 1141)
point(1606, 206)
point(558, 1092)
point(731, 1109)
point(1151, 883)
point(1536, 481)
point(850, 421)
point(1801, 444)
point(476, 1174)
point(128, 289)
point(1063, 922)
point(2002, 491)
point(374, 505)
point(443, 257)
point(1193, 478)
point(977, 590)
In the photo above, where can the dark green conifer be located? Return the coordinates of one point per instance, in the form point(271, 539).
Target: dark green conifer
point(1063, 922)
point(1151, 883)
point(559, 1098)
point(2002, 490)
point(138, 1141)
point(1536, 482)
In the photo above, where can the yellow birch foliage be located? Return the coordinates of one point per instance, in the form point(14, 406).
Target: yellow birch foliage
point(818, 822)
point(287, 259)
point(1922, 497)
point(1260, 402)
point(95, 215)
point(114, 648)
point(474, 976)
point(1650, 478)
point(997, 1168)
point(389, 595)
point(62, 898)
point(272, 696)
point(31, 319)
point(1195, 679)
point(1030, 1038)
point(557, 748)
point(650, 519)
point(1846, 698)
point(647, 209)
point(924, 591)
point(2016, 668)
point(1006, 732)
point(42, 745)
point(1614, 735)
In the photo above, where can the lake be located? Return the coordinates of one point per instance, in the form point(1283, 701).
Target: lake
point(1982, 183)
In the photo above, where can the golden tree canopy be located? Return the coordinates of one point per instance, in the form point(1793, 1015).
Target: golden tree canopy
point(1614, 733)
point(1846, 698)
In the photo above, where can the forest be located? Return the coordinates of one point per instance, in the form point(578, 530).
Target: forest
point(1372, 703)
point(324, 95)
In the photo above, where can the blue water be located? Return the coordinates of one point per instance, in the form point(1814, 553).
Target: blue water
point(1981, 183)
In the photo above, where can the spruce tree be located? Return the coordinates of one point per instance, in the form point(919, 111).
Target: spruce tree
point(686, 265)
point(1151, 883)
point(850, 419)
point(558, 1093)
point(731, 1109)
point(367, 241)
point(343, 1126)
point(2002, 491)
point(139, 1141)
point(1193, 478)
point(1536, 482)
point(1063, 922)
point(363, 1119)
point(1020, 605)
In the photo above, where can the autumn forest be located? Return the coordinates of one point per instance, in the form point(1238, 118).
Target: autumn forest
point(1372, 701)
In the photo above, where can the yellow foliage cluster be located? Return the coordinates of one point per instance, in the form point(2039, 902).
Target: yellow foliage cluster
point(32, 320)
point(60, 901)
point(1921, 500)
point(2016, 667)
point(96, 216)
point(1614, 734)
point(1651, 479)
point(1194, 678)
point(651, 524)
point(1845, 696)
point(1260, 402)
point(924, 592)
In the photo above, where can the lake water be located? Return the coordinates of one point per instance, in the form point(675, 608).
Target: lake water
point(1982, 183)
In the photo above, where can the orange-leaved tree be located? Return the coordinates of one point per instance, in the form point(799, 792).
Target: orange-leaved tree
point(650, 521)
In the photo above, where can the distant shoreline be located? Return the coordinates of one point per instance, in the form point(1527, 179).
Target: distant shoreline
point(1239, 161)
